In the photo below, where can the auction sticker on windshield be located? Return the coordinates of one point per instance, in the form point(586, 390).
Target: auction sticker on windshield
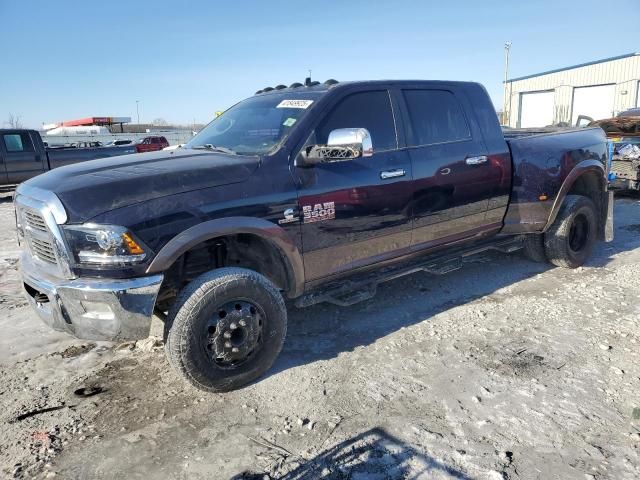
point(294, 104)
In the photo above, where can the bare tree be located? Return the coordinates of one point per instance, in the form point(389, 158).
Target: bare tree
point(14, 121)
point(160, 122)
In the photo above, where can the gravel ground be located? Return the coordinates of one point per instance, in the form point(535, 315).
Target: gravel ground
point(504, 369)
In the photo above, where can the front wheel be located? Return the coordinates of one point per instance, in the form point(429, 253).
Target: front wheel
point(225, 329)
point(572, 236)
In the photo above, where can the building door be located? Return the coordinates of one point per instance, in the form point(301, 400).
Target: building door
point(595, 102)
point(536, 109)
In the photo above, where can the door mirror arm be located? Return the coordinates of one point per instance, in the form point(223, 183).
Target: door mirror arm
point(343, 144)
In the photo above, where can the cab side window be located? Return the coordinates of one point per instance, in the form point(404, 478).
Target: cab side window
point(370, 110)
point(436, 117)
point(17, 142)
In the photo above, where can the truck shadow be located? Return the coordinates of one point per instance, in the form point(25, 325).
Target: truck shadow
point(369, 454)
point(324, 331)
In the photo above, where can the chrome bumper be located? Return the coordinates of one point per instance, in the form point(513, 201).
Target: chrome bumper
point(92, 309)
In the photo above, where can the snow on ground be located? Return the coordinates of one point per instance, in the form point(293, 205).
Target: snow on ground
point(504, 369)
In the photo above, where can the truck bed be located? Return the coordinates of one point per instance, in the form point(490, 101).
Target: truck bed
point(542, 159)
point(510, 133)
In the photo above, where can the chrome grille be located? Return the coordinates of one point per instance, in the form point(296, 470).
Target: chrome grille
point(43, 250)
point(39, 214)
point(35, 220)
point(37, 235)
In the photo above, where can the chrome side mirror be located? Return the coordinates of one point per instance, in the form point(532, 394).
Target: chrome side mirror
point(343, 144)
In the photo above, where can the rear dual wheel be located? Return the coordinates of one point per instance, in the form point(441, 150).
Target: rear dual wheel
point(571, 238)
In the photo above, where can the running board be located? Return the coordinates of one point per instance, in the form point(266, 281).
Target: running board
point(359, 288)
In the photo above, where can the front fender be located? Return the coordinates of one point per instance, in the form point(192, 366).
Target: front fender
point(204, 231)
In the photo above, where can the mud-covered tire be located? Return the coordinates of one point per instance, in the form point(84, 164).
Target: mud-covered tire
point(570, 239)
point(187, 328)
point(533, 248)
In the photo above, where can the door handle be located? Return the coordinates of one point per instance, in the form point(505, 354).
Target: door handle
point(476, 160)
point(386, 174)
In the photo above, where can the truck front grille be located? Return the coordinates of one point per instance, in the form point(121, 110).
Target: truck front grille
point(37, 235)
point(35, 220)
point(43, 249)
point(39, 214)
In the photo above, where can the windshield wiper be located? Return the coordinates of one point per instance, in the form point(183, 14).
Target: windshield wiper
point(213, 148)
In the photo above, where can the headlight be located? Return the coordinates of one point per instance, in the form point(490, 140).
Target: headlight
point(104, 244)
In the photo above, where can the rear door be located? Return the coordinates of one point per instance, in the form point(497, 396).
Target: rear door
point(453, 176)
point(22, 159)
point(357, 212)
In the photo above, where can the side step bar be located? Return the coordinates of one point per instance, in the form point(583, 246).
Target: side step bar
point(359, 288)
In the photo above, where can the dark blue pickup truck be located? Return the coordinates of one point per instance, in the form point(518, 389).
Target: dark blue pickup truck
point(314, 192)
point(23, 155)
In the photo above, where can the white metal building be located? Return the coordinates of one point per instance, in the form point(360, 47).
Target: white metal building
point(599, 89)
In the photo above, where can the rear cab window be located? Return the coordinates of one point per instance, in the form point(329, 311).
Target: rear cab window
point(370, 110)
point(17, 142)
point(435, 116)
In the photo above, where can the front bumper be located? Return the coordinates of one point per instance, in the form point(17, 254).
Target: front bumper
point(92, 309)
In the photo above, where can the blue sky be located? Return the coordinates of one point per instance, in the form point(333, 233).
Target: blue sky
point(185, 60)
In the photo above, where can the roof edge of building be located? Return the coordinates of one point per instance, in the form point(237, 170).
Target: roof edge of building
point(595, 62)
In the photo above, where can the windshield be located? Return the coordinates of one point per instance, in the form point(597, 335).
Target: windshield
point(256, 125)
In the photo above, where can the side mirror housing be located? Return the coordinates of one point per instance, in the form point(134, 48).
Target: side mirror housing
point(342, 145)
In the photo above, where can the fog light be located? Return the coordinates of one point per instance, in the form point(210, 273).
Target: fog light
point(98, 310)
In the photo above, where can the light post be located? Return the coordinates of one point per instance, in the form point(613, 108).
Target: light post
point(138, 111)
point(507, 90)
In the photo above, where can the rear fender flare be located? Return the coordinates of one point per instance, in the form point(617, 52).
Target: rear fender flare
point(210, 229)
point(580, 169)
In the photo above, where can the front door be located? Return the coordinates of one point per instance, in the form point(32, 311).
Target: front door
point(20, 157)
point(453, 175)
point(357, 212)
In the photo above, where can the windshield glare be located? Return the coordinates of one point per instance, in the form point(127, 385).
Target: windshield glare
point(256, 125)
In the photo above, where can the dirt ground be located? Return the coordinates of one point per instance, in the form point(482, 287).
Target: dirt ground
point(504, 369)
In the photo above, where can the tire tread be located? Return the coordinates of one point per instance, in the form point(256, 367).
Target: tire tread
point(178, 328)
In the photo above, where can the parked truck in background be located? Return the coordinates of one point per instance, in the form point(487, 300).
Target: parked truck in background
point(313, 192)
point(23, 155)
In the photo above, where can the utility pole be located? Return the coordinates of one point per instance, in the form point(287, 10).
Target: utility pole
point(506, 114)
point(138, 111)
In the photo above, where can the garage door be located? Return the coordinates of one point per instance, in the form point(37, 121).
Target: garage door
point(536, 109)
point(594, 102)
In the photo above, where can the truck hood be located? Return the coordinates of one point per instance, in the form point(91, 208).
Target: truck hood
point(90, 188)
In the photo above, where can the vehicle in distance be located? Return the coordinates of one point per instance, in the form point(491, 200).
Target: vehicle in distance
point(23, 155)
point(119, 143)
point(151, 144)
point(313, 192)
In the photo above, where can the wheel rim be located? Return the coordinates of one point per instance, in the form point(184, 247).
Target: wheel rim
point(233, 334)
point(579, 233)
